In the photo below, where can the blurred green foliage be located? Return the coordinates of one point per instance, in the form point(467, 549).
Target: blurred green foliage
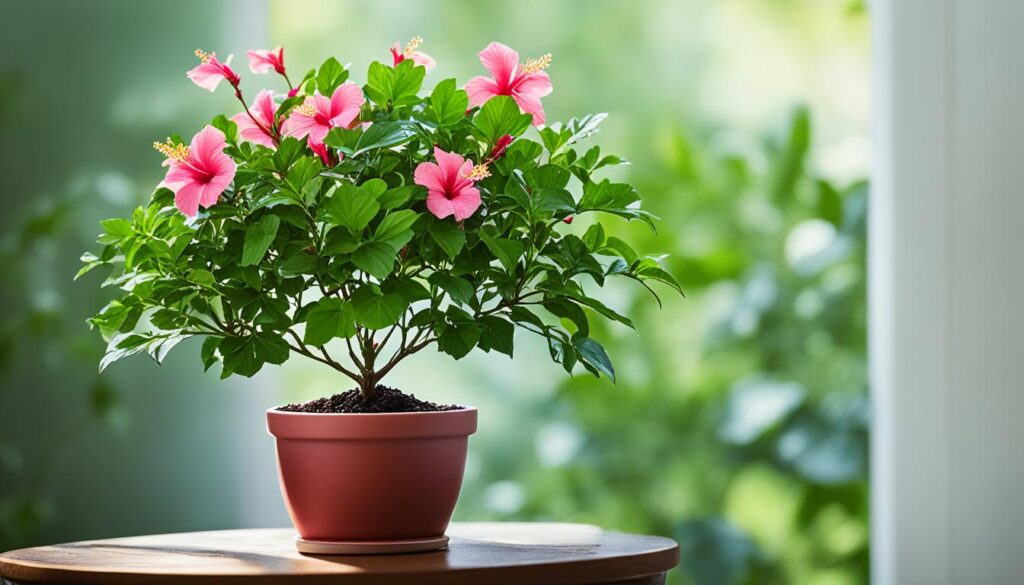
point(740, 424)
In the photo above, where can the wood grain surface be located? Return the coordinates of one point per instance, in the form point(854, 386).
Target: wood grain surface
point(488, 553)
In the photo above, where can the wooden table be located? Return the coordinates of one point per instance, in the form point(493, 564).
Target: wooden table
point(488, 553)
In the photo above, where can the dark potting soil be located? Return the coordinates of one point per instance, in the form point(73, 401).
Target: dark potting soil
point(386, 400)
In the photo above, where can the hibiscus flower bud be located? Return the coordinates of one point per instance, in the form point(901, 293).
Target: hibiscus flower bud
point(499, 147)
point(568, 219)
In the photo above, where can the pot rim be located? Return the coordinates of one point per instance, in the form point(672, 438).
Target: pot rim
point(371, 425)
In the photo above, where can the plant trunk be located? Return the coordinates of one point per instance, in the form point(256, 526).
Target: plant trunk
point(368, 387)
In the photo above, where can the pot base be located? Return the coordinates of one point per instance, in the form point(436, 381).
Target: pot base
point(369, 547)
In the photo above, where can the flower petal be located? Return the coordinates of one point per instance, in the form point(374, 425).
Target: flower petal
point(439, 205)
point(501, 61)
point(298, 125)
point(430, 176)
point(465, 202)
point(450, 165)
point(345, 104)
point(187, 199)
point(481, 89)
point(206, 75)
point(206, 144)
point(424, 59)
point(264, 107)
point(536, 84)
point(531, 105)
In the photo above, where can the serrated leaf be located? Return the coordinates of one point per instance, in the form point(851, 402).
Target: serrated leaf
point(351, 207)
point(499, 116)
point(448, 104)
point(330, 75)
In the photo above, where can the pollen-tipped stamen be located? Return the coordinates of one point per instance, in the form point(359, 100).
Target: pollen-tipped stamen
point(534, 65)
point(478, 173)
point(306, 109)
point(414, 44)
point(203, 56)
point(175, 152)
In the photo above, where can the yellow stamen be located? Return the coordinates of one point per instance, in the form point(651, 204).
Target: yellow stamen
point(306, 109)
point(413, 45)
point(203, 56)
point(478, 173)
point(176, 152)
point(534, 65)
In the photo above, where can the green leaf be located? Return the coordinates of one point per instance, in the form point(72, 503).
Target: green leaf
point(448, 104)
point(258, 239)
point(394, 228)
point(614, 198)
point(383, 135)
point(569, 310)
point(500, 116)
point(394, 86)
point(508, 252)
point(351, 207)
point(649, 269)
point(227, 127)
point(375, 258)
point(298, 264)
point(202, 277)
point(496, 333)
point(117, 227)
point(448, 236)
point(376, 310)
point(590, 352)
point(616, 247)
point(594, 237)
point(208, 352)
point(330, 75)
point(459, 289)
point(397, 197)
point(271, 347)
point(459, 335)
point(327, 319)
point(344, 139)
point(375, 187)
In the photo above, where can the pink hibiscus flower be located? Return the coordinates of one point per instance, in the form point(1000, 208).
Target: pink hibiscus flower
point(449, 184)
point(526, 82)
point(211, 72)
point(264, 61)
point(263, 109)
point(318, 114)
point(398, 54)
point(199, 173)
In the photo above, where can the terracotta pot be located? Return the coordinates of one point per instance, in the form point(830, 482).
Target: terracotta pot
point(369, 477)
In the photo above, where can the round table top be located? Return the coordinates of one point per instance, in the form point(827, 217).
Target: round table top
point(493, 553)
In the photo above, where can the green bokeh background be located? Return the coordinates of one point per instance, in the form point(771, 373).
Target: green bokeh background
point(739, 422)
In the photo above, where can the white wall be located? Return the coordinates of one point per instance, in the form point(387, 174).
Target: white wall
point(947, 292)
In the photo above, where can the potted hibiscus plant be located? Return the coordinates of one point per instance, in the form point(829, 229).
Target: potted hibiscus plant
point(355, 226)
